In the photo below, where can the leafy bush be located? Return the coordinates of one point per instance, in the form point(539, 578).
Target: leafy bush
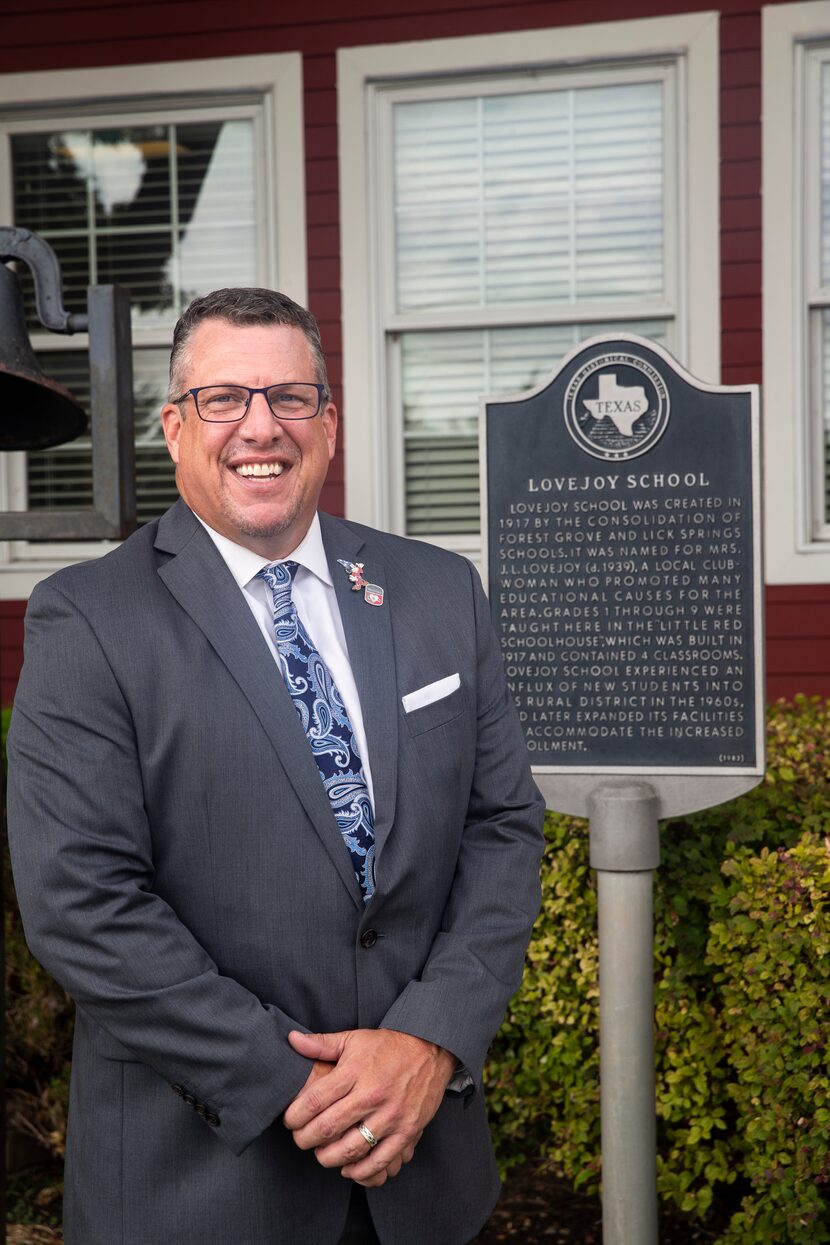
point(742, 1003)
point(769, 945)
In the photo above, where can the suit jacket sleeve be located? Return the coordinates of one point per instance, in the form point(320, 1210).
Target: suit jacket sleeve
point(82, 856)
point(476, 960)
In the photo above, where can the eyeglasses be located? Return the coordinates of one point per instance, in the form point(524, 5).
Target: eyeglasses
point(227, 404)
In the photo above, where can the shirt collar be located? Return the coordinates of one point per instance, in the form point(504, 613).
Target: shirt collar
point(245, 565)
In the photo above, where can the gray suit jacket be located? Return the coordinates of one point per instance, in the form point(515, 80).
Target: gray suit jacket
point(179, 871)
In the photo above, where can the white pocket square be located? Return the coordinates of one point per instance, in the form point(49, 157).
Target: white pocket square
point(432, 691)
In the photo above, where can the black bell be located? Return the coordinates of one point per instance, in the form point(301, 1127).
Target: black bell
point(35, 412)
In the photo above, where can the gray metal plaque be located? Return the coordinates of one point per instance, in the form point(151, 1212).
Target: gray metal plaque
point(622, 557)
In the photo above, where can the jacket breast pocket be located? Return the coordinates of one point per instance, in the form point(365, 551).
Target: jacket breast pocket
point(438, 713)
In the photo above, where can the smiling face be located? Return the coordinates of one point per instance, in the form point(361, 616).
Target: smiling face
point(220, 468)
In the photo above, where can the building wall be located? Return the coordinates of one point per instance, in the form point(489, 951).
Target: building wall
point(57, 34)
point(11, 647)
point(797, 640)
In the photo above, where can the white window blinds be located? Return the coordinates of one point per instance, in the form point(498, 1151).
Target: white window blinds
point(555, 196)
point(538, 217)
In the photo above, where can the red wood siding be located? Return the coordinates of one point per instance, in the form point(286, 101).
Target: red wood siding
point(60, 34)
point(740, 122)
point(11, 647)
point(323, 238)
point(797, 629)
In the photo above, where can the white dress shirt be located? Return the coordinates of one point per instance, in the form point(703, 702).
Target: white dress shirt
point(314, 596)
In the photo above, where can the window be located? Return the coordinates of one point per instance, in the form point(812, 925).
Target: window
point(816, 164)
point(796, 191)
point(515, 210)
point(170, 196)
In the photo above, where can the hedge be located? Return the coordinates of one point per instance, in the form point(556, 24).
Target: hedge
point(742, 1005)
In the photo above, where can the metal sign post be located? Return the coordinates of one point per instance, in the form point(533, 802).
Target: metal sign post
point(625, 850)
point(622, 550)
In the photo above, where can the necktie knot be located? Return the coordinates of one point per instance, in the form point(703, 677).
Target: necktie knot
point(280, 579)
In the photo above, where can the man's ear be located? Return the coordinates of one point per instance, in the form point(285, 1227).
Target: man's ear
point(329, 420)
point(171, 423)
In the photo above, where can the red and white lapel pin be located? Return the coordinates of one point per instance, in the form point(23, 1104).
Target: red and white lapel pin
point(372, 593)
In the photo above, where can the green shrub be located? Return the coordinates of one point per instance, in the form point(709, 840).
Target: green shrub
point(769, 945)
point(544, 1065)
point(741, 1003)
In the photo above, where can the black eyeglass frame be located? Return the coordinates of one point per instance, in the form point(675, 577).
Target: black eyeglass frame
point(322, 395)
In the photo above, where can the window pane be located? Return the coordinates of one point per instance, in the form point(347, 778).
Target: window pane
point(218, 244)
point(820, 367)
point(140, 262)
point(546, 196)
point(62, 477)
point(49, 187)
point(825, 408)
point(129, 172)
point(443, 376)
point(825, 173)
point(166, 210)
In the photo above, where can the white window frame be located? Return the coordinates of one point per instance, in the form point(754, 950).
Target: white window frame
point(797, 542)
point(372, 449)
point(149, 93)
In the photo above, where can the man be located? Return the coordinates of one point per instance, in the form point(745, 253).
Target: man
point(286, 975)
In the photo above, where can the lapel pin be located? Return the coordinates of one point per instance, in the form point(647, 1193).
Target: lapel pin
point(355, 570)
point(372, 593)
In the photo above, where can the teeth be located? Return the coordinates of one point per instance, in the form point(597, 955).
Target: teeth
point(259, 470)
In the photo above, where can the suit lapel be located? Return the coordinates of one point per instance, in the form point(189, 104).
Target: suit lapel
point(203, 586)
point(368, 631)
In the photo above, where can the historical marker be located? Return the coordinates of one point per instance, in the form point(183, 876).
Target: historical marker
point(623, 563)
point(623, 559)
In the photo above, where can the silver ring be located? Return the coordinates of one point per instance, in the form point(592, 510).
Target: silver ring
point(367, 1134)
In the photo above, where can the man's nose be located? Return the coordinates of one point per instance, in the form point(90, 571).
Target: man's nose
point(259, 423)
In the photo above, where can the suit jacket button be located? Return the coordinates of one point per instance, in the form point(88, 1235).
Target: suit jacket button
point(368, 938)
point(189, 1099)
point(177, 1089)
point(212, 1119)
point(200, 1109)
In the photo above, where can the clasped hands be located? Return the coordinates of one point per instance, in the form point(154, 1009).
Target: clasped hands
point(392, 1082)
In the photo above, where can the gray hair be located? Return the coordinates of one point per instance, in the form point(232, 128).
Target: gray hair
point(249, 305)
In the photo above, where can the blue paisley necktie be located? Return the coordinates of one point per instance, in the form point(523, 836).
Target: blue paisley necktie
point(326, 724)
